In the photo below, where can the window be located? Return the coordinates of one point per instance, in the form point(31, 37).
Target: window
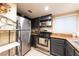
point(65, 24)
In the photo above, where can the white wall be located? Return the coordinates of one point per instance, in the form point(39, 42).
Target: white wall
point(78, 23)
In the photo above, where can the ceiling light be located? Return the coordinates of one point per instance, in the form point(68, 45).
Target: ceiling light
point(46, 8)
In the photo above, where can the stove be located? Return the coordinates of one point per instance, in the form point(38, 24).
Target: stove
point(43, 43)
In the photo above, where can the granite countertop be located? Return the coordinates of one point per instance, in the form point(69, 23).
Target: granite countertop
point(64, 36)
point(74, 42)
point(69, 38)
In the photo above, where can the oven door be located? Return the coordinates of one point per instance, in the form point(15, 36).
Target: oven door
point(43, 42)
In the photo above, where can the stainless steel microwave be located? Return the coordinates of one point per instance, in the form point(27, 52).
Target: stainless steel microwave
point(46, 23)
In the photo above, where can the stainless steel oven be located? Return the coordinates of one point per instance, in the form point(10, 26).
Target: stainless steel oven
point(43, 43)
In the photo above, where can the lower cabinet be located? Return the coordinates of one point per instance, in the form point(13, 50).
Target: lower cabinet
point(57, 47)
point(33, 40)
point(69, 49)
point(61, 47)
point(76, 53)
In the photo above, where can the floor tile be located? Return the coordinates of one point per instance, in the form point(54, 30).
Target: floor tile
point(34, 52)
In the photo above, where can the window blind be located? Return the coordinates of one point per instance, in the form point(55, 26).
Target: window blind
point(65, 24)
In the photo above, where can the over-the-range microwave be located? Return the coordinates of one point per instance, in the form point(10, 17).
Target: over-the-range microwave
point(46, 24)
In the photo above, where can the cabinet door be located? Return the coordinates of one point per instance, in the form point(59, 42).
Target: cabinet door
point(58, 41)
point(57, 50)
point(33, 40)
point(35, 23)
point(57, 46)
point(69, 50)
point(76, 53)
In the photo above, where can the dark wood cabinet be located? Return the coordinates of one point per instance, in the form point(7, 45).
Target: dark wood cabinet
point(69, 49)
point(42, 21)
point(46, 21)
point(35, 23)
point(61, 47)
point(76, 53)
point(57, 46)
point(46, 18)
point(33, 40)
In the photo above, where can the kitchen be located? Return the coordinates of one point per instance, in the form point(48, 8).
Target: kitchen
point(51, 29)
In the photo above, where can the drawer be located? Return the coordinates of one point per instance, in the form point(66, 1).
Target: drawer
point(76, 53)
point(57, 49)
point(57, 40)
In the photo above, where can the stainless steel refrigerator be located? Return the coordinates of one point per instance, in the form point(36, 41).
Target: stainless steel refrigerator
point(24, 34)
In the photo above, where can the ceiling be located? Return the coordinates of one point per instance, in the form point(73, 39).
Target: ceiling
point(38, 8)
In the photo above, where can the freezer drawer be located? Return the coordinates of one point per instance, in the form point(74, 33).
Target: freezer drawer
point(25, 38)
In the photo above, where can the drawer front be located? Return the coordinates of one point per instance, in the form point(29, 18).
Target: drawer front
point(57, 40)
point(57, 49)
point(76, 53)
point(57, 46)
point(69, 50)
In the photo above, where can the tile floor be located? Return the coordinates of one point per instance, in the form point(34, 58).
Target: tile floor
point(34, 52)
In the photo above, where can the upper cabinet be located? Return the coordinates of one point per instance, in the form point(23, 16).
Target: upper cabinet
point(46, 18)
point(35, 23)
point(45, 21)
